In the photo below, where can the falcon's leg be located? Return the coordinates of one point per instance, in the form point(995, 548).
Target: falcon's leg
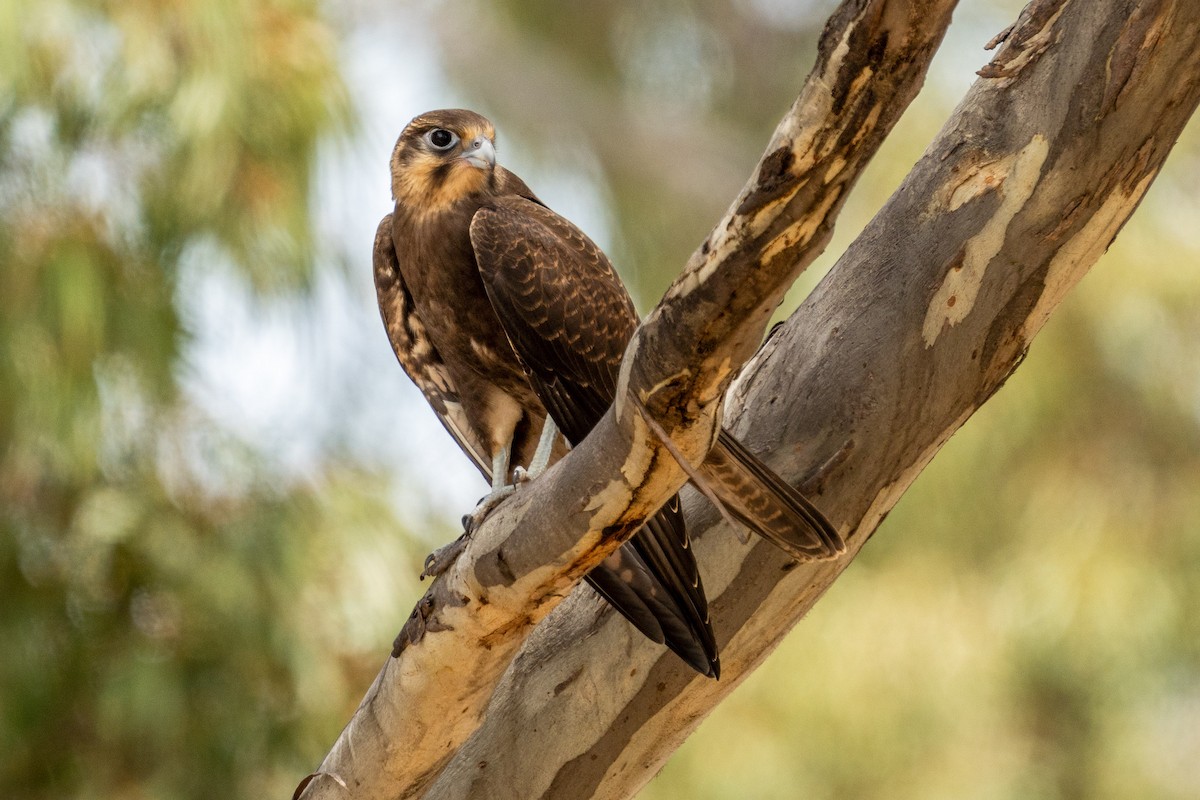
point(500, 490)
point(500, 469)
point(541, 456)
point(440, 560)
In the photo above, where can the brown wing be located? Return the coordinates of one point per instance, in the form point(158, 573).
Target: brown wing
point(416, 353)
point(569, 318)
point(562, 305)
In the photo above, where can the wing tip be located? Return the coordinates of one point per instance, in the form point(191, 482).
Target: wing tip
point(807, 534)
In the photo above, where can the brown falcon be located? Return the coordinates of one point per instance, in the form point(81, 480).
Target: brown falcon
point(501, 311)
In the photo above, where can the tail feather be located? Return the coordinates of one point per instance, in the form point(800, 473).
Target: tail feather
point(762, 501)
point(635, 595)
point(631, 587)
point(663, 545)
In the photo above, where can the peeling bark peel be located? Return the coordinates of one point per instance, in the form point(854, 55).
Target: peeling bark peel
point(1014, 177)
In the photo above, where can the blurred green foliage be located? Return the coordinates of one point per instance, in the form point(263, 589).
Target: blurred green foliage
point(174, 611)
point(169, 610)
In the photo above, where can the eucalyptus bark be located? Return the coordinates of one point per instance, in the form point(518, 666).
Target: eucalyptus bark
point(917, 325)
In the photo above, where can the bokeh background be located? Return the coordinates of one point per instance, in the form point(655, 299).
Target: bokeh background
point(216, 486)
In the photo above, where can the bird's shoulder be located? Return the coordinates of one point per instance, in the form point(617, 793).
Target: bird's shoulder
point(514, 222)
point(509, 186)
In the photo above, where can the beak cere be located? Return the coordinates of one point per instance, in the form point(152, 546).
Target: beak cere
point(481, 153)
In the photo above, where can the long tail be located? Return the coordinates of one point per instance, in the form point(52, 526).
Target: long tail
point(768, 505)
point(654, 582)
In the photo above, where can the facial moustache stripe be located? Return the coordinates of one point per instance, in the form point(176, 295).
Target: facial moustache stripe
point(440, 173)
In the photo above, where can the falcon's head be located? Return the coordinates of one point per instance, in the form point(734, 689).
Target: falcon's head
point(443, 157)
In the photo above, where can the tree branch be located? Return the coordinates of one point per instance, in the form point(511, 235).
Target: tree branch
point(917, 325)
point(529, 554)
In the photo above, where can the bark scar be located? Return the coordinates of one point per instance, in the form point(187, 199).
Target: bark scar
point(420, 622)
point(1015, 177)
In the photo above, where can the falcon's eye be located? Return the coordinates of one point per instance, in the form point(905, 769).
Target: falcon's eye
point(441, 139)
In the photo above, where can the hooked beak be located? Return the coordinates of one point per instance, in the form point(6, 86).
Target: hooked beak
point(481, 153)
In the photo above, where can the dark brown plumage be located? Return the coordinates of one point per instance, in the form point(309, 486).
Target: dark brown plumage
point(501, 311)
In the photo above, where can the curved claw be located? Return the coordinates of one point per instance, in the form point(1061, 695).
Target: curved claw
point(486, 506)
point(444, 557)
